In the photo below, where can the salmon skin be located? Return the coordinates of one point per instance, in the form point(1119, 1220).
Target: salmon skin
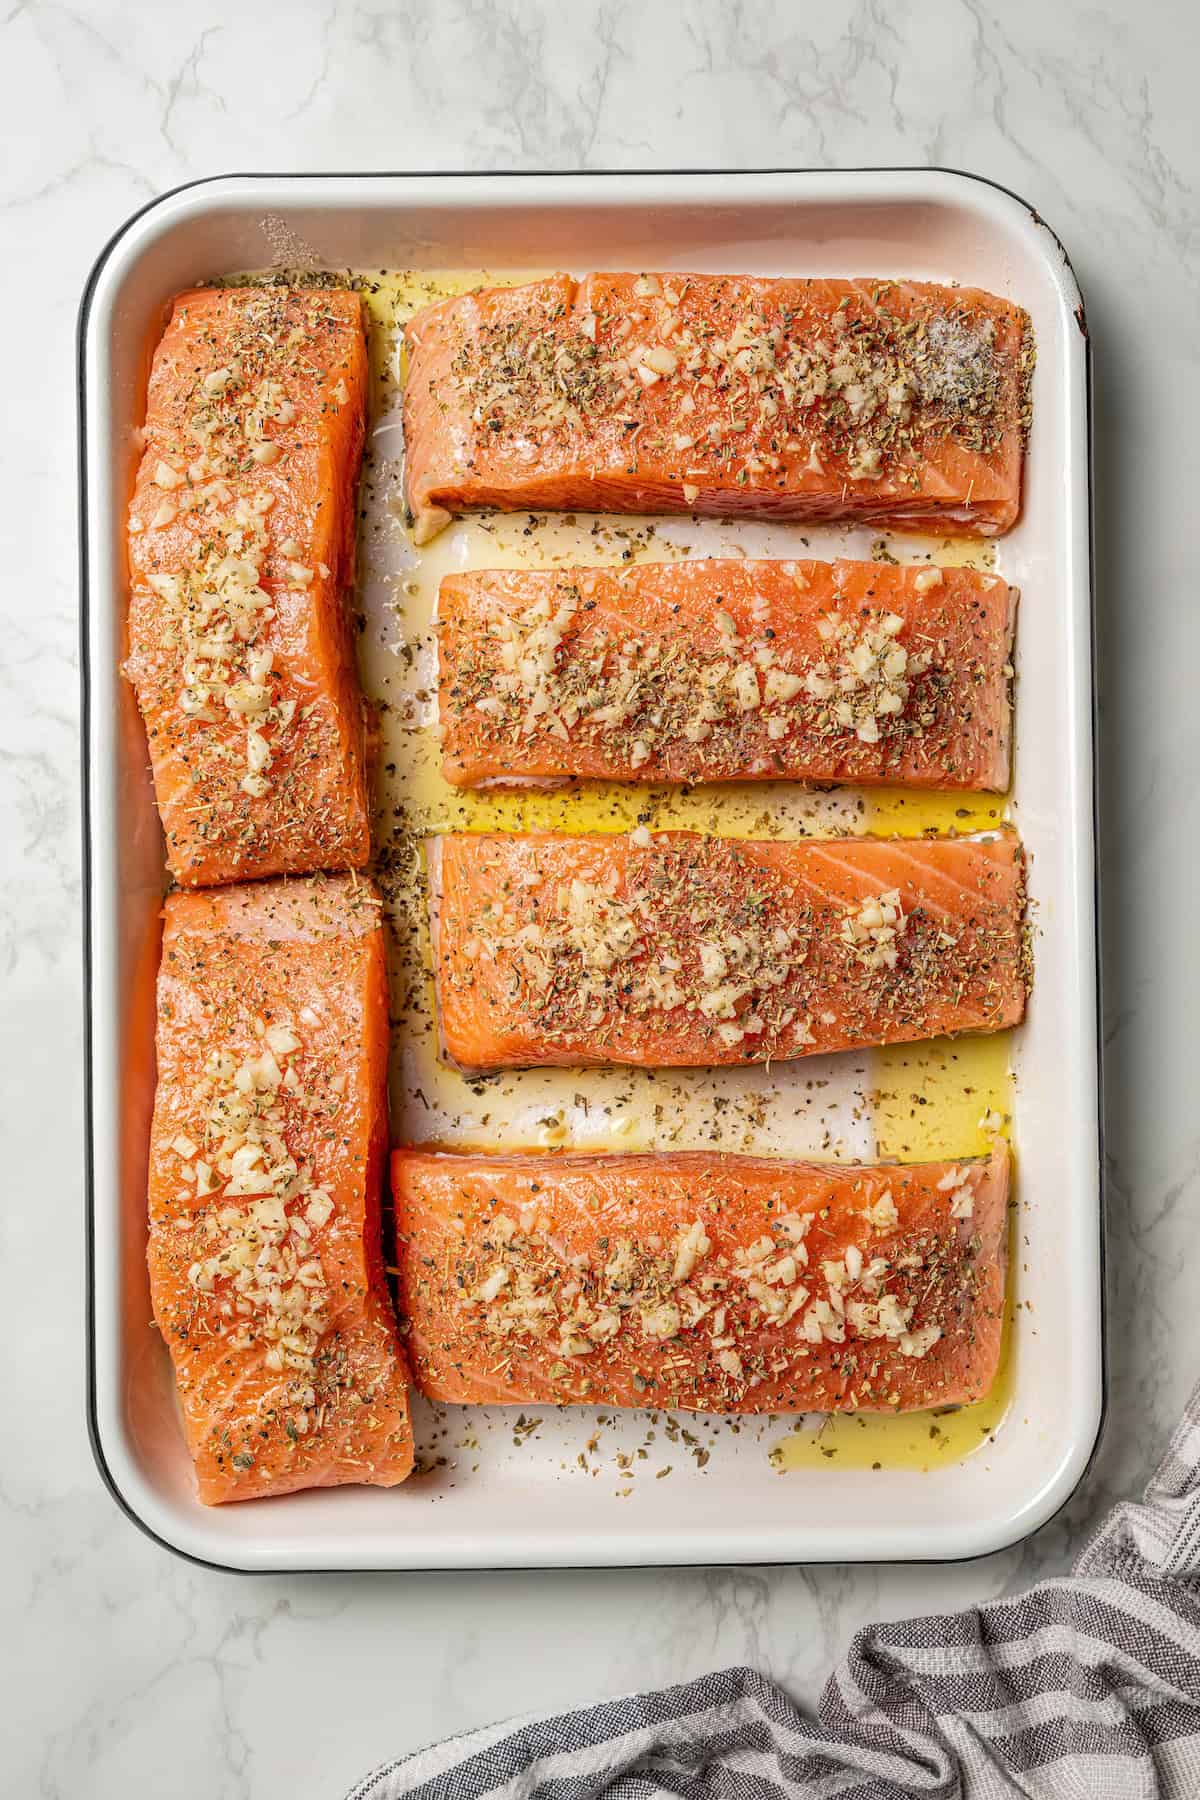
point(266, 1164)
point(241, 547)
point(896, 402)
point(701, 1281)
point(680, 950)
point(726, 671)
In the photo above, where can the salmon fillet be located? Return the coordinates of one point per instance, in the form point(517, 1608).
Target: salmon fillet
point(241, 547)
point(708, 1282)
point(897, 402)
point(266, 1164)
point(681, 950)
point(726, 671)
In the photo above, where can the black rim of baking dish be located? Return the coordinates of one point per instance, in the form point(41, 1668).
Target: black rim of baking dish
point(434, 176)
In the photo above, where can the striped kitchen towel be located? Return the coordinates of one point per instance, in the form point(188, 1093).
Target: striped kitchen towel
point(1086, 1688)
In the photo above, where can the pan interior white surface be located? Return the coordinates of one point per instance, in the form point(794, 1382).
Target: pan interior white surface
point(530, 1501)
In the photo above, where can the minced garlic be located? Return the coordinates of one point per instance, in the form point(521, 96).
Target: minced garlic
point(960, 1182)
point(777, 377)
point(258, 1265)
point(216, 608)
point(872, 929)
point(710, 961)
point(559, 669)
point(737, 1311)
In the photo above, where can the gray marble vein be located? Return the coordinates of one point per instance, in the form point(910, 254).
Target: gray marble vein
point(128, 1672)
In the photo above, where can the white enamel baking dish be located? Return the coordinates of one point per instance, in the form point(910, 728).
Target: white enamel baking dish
point(516, 1510)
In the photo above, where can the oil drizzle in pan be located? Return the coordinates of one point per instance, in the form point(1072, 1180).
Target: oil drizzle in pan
point(911, 1103)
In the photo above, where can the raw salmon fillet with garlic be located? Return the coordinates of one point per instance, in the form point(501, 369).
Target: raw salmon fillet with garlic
point(266, 1167)
point(680, 950)
point(241, 551)
point(701, 1281)
point(901, 403)
point(726, 671)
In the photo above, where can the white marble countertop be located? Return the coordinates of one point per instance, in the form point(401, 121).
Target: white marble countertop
point(124, 1670)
